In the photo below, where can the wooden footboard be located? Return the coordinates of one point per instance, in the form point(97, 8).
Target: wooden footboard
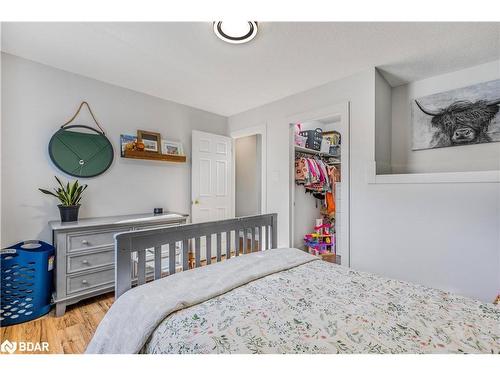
point(260, 229)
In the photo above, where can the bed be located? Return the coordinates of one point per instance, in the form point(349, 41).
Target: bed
point(278, 301)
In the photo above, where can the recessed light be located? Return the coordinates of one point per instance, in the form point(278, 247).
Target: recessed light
point(235, 32)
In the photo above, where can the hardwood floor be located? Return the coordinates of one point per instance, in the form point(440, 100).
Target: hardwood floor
point(68, 334)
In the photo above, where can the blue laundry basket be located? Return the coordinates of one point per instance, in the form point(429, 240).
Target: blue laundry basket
point(26, 281)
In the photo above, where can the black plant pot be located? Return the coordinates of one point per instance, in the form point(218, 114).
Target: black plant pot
point(68, 213)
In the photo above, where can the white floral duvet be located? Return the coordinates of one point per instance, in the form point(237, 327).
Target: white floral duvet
point(319, 307)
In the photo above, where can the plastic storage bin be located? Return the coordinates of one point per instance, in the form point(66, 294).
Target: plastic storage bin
point(314, 138)
point(300, 140)
point(335, 151)
point(26, 281)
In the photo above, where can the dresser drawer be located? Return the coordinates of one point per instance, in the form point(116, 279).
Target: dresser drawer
point(92, 280)
point(81, 262)
point(90, 240)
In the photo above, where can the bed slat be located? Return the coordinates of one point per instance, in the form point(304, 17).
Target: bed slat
point(157, 262)
point(228, 244)
point(171, 258)
point(208, 246)
point(141, 267)
point(219, 247)
point(197, 256)
point(259, 236)
point(252, 239)
point(237, 238)
point(266, 228)
point(185, 255)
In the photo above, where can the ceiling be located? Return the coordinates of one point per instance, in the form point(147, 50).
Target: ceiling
point(186, 63)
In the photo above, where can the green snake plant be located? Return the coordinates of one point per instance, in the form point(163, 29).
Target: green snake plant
point(69, 195)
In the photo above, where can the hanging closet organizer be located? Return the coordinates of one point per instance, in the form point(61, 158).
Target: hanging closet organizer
point(81, 154)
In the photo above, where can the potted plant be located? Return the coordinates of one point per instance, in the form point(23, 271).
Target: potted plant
point(69, 196)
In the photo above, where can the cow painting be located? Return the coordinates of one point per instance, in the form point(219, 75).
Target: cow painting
point(460, 117)
point(462, 122)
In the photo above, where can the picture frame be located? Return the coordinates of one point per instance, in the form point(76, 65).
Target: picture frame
point(171, 147)
point(151, 140)
point(459, 117)
point(124, 140)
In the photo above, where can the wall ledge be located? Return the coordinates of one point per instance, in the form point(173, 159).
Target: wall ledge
point(491, 176)
point(437, 178)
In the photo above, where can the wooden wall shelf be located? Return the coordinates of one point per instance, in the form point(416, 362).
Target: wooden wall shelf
point(145, 155)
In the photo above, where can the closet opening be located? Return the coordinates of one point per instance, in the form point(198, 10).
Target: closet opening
point(319, 187)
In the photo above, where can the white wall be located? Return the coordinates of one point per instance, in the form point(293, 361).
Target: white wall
point(440, 235)
point(37, 99)
point(248, 172)
point(383, 124)
point(451, 159)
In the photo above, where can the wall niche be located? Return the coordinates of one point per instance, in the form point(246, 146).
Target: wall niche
point(393, 132)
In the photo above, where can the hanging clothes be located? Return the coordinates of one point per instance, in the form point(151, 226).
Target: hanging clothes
point(301, 170)
point(330, 203)
point(313, 174)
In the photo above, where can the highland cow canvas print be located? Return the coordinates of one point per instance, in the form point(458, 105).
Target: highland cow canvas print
point(465, 116)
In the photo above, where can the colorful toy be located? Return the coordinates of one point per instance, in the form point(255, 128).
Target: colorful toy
point(321, 241)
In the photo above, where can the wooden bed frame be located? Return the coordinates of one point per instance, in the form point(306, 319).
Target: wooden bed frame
point(137, 242)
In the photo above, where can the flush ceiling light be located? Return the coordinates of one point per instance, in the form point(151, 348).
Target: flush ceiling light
point(236, 32)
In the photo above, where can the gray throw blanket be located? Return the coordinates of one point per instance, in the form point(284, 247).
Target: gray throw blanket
point(135, 315)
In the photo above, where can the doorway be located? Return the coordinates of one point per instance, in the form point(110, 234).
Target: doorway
point(319, 209)
point(248, 171)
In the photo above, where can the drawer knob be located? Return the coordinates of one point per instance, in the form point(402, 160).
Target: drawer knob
point(85, 261)
point(85, 281)
point(85, 242)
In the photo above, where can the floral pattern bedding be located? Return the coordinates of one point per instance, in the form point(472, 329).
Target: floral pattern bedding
point(320, 307)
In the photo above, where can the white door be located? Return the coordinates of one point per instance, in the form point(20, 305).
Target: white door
point(211, 177)
point(211, 182)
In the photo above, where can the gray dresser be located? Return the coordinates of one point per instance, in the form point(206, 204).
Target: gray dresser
point(85, 253)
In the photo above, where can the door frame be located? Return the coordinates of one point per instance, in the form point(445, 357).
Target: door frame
point(246, 132)
point(341, 109)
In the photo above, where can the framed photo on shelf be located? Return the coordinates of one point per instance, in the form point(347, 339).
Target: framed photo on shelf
point(124, 140)
point(151, 140)
point(171, 147)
